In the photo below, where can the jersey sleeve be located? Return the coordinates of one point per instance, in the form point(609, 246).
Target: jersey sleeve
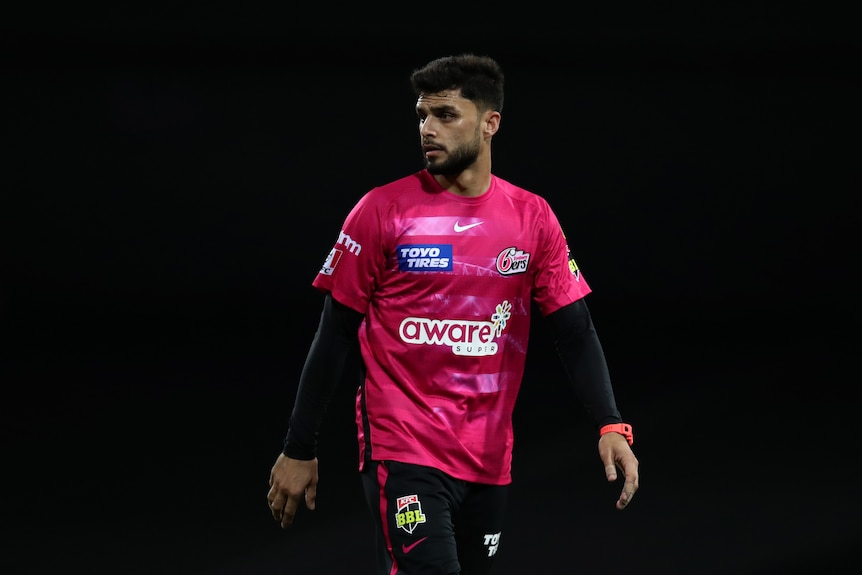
point(352, 268)
point(558, 281)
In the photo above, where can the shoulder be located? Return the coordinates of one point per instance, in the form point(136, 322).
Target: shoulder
point(521, 195)
point(391, 191)
point(415, 181)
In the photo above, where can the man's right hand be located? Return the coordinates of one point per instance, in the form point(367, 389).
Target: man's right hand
point(291, 480)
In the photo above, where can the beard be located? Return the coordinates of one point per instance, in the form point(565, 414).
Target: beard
point(456, 161)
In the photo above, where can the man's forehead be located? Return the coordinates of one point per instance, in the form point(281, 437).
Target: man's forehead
point(442, 98)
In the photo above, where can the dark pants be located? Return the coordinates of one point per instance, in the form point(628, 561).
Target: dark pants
point(429, 523)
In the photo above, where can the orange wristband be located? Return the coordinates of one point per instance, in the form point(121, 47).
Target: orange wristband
point(623, 429)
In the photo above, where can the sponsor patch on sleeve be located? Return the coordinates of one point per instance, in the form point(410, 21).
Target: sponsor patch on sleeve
point(331, 261)
point(573, 267)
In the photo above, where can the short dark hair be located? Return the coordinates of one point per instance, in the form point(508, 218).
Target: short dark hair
point(479, 78)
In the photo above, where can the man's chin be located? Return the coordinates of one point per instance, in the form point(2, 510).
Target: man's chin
point(438, 169)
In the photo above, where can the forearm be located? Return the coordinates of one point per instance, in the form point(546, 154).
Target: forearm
point(580, 350)
point(323, 370)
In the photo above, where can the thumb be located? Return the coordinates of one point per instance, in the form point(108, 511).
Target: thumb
point(611, 472)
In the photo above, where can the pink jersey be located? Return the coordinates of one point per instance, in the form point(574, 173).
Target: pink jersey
point(446, 284)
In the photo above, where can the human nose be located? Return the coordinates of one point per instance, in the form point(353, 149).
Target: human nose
point(426, 127)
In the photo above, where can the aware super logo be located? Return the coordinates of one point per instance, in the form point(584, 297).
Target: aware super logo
point(464, 337)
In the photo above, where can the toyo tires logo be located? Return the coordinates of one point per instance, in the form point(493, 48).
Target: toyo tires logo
point(465, 337)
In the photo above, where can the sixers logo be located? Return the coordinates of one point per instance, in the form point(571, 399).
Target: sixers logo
point(512, 261)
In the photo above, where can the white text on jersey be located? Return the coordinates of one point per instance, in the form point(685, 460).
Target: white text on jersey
point(352, 246)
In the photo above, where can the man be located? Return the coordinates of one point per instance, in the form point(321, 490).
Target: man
point(435, 274)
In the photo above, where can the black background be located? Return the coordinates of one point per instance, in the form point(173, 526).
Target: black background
point(175, 178)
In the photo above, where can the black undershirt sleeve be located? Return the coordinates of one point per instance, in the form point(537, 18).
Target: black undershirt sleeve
point(337, 336)
point(578, 346)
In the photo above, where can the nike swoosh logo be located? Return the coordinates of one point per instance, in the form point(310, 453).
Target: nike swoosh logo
point(409, 548)
point(459, 228)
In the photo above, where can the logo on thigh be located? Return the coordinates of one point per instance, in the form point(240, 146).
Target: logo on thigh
point(408, 513)
point(492, 542)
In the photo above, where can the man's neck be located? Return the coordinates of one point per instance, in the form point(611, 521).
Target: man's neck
point(470, 183)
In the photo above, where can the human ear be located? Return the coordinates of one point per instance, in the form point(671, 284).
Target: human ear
point(491, 122)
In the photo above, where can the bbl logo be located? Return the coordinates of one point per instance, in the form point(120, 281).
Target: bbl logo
point(573, 265)
point(408, 513)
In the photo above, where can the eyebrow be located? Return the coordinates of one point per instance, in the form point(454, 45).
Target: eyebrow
point(439, 108)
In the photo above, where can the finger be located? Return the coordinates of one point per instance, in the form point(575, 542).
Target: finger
point(626, 495)
point(311, 496)
point(611, 472)
point(275, 503)
point(630, 470)
point(276, 507)
point(288, 512)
